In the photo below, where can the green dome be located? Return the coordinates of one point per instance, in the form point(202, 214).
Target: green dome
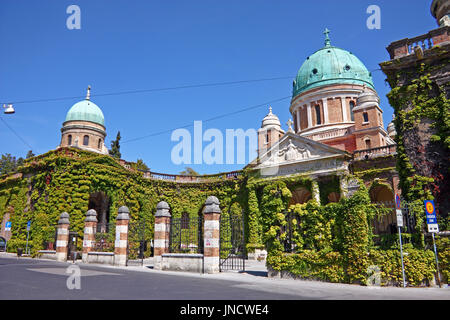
point(86, 110)
point(331, 65)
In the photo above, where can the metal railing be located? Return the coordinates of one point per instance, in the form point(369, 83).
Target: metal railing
point(104, 241)
point(186, 235)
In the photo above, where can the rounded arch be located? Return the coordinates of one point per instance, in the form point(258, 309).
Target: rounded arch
point(381, 192)
point(236, 209)
point(300, 195)
point(383, 195)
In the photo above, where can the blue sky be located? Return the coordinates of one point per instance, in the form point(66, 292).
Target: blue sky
point(134, 45)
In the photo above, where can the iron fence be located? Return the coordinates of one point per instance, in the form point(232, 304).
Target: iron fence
point(104, 241)
point(186, 235)
point(232, 244)
point(139, 239)
point(288, 242)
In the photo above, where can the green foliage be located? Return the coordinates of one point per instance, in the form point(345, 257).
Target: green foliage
point(63, 180)
point(420, 102)
point(115, 147)
point(419, 266)
point(189, 172)
point(140, 165)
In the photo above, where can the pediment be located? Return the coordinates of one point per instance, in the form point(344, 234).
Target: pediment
point(293, 148)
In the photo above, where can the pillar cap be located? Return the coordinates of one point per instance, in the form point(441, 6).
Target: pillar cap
point(124, 213)
point(162, 209)
point(63, 218)
point(91, 216)
point(212, 205)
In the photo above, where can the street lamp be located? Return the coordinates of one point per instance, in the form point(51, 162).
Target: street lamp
point(8, 109)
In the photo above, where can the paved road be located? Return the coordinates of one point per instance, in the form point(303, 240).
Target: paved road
point(27, 278)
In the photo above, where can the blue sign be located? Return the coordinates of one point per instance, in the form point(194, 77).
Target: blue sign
point(8, 226)
point(430, 211)
point(397, 201)
point(28, 225)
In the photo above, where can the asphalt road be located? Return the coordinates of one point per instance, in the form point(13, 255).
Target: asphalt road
point(26, 278)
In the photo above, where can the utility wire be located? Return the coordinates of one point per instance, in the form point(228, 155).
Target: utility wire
point(210, 119)
point(150, 90)
point(17, 135)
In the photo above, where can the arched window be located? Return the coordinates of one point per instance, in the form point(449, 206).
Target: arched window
point(352, 105)
point(85, 140)
point(69, 140)
point(318, 117)
point(99, 143)
point(368, 144)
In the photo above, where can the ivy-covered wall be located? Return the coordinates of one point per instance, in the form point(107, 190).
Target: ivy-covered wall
point(63, 180)
point(334, 242)
point(420, 98)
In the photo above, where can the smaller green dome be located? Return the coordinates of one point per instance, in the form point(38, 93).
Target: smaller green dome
point(86, 110)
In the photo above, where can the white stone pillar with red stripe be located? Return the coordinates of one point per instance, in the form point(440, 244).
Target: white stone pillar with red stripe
point(211, 235)
point(121, 243)
point(90, 226)
point(62, 238)
point(161, 236)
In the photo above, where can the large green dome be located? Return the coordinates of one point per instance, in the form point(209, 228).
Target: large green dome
point(331, 65)
point(86, 110)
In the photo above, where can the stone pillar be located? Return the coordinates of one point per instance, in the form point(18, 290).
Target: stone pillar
point(62, 239)
point(344, 109)
point(326, 118)
point(162, 233)
point(315, 191)
point(121, 244)
point(344, 186)
point(211, 236)
point(90, 227)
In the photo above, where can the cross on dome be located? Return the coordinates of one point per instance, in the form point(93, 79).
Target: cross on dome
point(88, 95)
point(327, 38)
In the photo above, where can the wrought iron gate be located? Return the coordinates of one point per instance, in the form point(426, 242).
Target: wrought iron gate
point(139, 240)
point(232, 244)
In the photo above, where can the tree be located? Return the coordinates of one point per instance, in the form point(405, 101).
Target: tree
point(189, 172)
point(140, 165)
point(8, 163)
point(30, 154)
point(115, 147)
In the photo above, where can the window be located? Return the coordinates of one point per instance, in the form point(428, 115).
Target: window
point(99, 143)
point(352, 105)
point(85, 140)
point(366, 117)
point(368, 144)
point(318, 117)
point(267, 137)
point(69, 140)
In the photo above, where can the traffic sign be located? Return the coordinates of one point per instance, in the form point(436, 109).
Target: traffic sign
point(397, 201)
point(399, 217)
point(8, 226)
point(430, 211)
point(28, 225)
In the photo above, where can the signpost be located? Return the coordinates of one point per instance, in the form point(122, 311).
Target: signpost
point(399, 225)
point(7, 228)
point(430, 211)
